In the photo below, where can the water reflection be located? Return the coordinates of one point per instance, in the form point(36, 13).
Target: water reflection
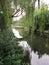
point(44, 60)
point(39, 43)
point(40, 46)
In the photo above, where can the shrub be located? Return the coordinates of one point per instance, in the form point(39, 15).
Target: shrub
point(10, 53)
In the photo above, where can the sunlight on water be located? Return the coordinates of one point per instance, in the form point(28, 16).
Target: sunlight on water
point(44, 60)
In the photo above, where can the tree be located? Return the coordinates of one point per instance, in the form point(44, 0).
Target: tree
point(38, 3)
point(6, 12)
point(28, 6)
point(41, 18)
point(10, 53)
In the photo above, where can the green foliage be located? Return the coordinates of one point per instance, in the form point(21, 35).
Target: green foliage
point(10, 53)
point(22, 3)
point(5, 18)
point(7, 12)
point(41, 17)
point(27, 6)
point(2, 23)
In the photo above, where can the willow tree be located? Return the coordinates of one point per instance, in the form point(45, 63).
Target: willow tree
point(28, 6)
point(5, 12)
point(41, 17)
point(10, 53)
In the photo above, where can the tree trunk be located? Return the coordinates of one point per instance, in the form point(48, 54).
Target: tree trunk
point(38, 4)
point(30, 30)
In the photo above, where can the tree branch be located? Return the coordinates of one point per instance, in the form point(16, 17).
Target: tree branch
point(15, 13)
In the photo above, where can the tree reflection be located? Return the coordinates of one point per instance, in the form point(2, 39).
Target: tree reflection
point(39, 43)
